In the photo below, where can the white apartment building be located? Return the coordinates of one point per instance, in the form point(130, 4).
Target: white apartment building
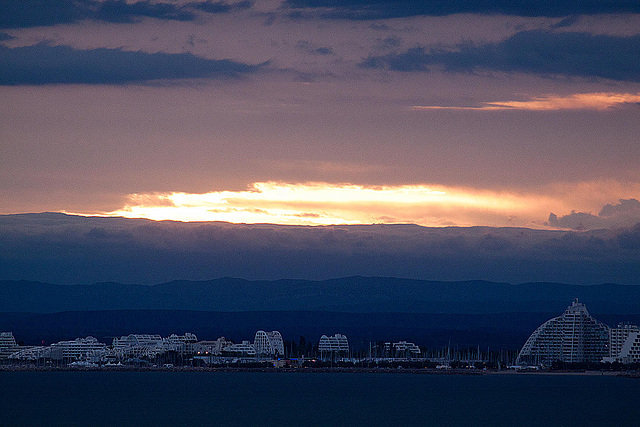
point(334, 344)
point(268, 343)
point(402, 349)
point(212, 347)
point(137, 345)
point(573, 337)
point(7, 344)
point(79, 349)
point(184, 343)
point(624, 344)
point(244, 349)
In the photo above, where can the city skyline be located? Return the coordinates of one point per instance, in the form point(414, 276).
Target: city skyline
point(574, 337)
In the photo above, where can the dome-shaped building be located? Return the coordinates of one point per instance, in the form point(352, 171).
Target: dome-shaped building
point(573, 337)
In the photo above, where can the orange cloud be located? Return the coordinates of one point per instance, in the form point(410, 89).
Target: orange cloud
point(580, 101)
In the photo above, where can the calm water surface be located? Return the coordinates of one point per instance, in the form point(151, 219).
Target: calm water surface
point(244, 398)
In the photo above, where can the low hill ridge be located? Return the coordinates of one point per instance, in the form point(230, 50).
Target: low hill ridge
point(356, 294)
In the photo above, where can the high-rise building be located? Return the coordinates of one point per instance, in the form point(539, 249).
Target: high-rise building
point(573, 337)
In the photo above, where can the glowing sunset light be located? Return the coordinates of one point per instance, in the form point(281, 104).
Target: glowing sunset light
point(147, 141)
point(324, 204)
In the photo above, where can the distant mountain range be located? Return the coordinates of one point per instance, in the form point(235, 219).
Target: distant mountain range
point(350, 295)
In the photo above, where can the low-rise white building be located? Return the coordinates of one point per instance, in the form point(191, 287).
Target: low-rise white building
point(402, 349)
point(268, 343)
point(145, 345)
point(212, 347)
point(335, 344)
point(133, 340)
point(79, 349)
point(137, 345)
point(182, 343)
point(8, 344)
point(31, 353)
point(244, 349)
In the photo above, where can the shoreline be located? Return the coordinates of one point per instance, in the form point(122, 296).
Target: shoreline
point(355, 370)
point(238, 369)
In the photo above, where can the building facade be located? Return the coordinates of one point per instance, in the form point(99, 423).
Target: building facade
point(268, 343)
point(137, 345)
point(244, 349)
point(333, 345)
point(624, 344)
point(573, 337)
point(213, 347)
point(8, 344)
point(180, 343)
point(78, 349)
point(401, 349)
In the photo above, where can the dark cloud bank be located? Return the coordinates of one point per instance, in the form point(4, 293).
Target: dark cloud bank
point(34, 13)
point(44, 64)
point(538, 52)
point(624, 213)
point(66, 249)
point(383, 9)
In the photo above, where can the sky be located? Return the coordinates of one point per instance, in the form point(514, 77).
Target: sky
point(317, 112)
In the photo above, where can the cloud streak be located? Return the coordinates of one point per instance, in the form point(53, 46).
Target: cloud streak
point(534, 52)
point(43, 64)
point(385, 9)
point(579, 101)
point(34, 13)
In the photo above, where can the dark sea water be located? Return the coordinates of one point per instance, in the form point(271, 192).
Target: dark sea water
point(255, 398)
